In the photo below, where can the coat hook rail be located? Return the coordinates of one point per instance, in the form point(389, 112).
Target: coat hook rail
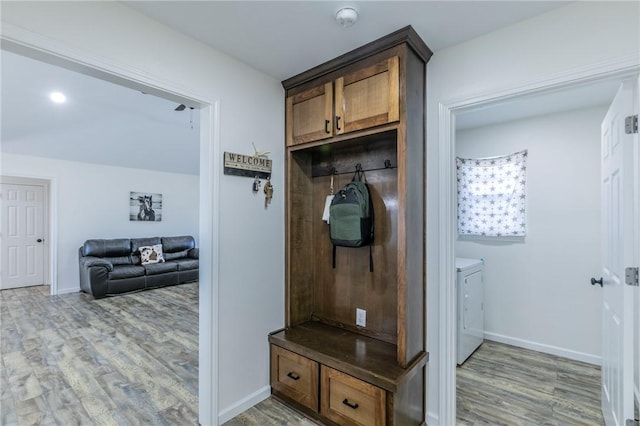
point(331, 170)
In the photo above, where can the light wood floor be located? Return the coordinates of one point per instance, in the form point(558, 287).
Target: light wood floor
point(505, 385)
point(133, 360)
point(125, 360)
point(497, 385)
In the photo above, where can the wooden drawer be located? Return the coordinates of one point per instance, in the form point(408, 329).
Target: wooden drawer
point(349, 401)
point(295, 376)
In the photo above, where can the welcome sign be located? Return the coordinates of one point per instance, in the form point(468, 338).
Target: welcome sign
point(247, 165)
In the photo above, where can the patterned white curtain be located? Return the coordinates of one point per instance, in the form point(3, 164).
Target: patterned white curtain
point(492, 196)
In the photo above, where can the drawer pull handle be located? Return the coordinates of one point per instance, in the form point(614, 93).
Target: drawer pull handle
point(293, 376)
point(350, 405)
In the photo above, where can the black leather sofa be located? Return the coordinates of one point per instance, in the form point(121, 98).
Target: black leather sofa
point(113, 266)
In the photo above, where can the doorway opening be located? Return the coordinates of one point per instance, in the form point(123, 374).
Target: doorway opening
point(534, 294)
point(207, 112)
point(449, 113)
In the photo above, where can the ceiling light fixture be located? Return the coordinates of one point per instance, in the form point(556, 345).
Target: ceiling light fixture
point(57, 97)
point(347, 16)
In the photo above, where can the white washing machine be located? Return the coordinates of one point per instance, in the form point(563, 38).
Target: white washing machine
point(470, 293)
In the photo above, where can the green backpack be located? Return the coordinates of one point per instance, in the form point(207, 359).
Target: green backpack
point(351, 218)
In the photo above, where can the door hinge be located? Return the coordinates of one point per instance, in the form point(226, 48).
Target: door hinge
point(631, 124)
point(631, 276)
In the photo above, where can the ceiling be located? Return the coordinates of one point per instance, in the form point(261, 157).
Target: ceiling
point(100, 122)
point(108, 124)
point(284, 38)
point(549, 102)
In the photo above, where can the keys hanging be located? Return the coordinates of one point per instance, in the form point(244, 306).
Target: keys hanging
point(256, 185)
point(268, 192)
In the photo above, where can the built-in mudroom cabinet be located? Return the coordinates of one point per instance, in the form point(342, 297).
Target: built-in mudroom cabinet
point(363, 110)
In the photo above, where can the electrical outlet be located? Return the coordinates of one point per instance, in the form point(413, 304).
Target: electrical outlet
point(361, 317)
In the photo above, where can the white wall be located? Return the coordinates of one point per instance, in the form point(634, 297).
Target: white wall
point(92, 201)
point(578, 36)
point(537, 290)
point(251, 264)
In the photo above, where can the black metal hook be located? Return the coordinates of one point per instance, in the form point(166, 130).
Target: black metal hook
point(358, 174)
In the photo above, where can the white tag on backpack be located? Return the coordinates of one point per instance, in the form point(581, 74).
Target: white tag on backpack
point(327, 205)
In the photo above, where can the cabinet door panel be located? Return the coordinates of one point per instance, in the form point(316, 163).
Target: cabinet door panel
point(368, 97)
point(310, 115)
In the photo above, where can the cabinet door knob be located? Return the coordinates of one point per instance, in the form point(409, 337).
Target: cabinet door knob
point(326, 126)
point(350, 405)
point(39, 240)
point(338, 122)
point(293, 376)
point(594, 281)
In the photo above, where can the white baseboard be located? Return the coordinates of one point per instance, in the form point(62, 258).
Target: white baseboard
point(432, 418)
point(67, 291)
point(244, 404)
point(547, 349)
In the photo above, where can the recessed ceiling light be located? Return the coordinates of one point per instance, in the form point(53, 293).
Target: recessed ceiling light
point(58, 97)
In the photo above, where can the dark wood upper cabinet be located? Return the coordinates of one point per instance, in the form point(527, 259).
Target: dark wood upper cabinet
point(365, 108)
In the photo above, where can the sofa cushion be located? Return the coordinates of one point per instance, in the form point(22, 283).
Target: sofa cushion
point(126, 271)
point(151, 254)
point(176, 255)
point(125, 285)
point(186, 264)
point(176, 244)
point(161, 268)
point(136, 243)
point(107, 248)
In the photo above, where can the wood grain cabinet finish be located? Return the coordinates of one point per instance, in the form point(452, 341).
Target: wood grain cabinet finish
point(365, 108)
point(295, 376)
point(310, 115)
point(364, 98)
point(368, 97)
point(351, 402)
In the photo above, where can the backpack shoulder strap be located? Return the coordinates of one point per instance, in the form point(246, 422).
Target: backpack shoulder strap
point(334, 256)
point(370, 257)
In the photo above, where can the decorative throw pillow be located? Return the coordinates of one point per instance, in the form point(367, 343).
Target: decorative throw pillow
point(151, 254)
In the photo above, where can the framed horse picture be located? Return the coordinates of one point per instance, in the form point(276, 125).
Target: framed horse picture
point(145, 207)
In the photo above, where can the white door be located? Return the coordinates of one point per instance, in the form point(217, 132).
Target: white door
point(22, 245)
point(617, 183)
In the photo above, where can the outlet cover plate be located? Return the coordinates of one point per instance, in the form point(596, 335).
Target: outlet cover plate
point(361, 317)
